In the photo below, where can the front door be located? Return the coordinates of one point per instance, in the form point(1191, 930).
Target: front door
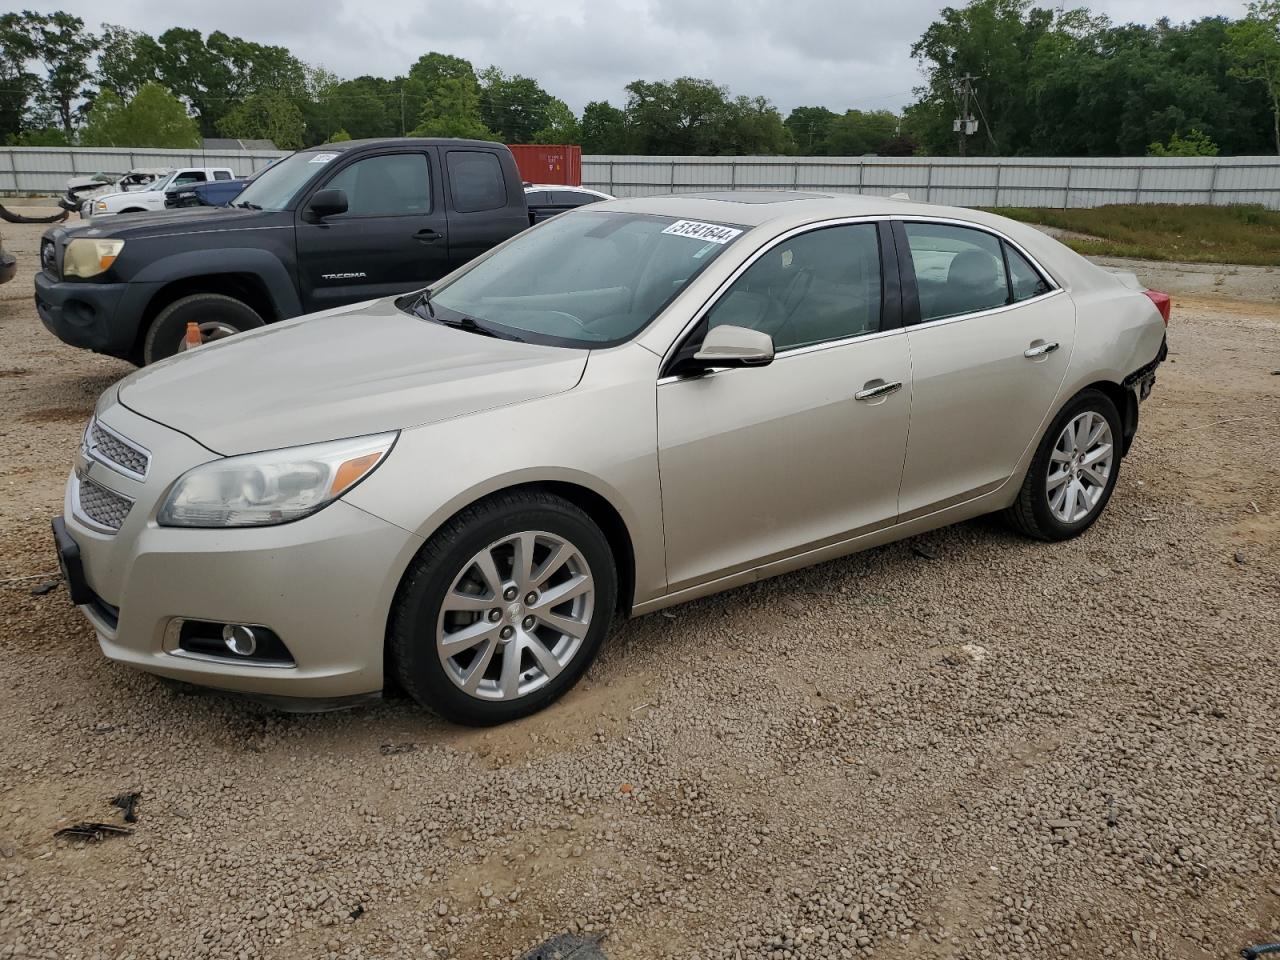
point(392, 239)
point(761, 463)
point(987, 359)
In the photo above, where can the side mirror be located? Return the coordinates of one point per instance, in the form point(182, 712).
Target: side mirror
point(730, 346)
point(327, 203)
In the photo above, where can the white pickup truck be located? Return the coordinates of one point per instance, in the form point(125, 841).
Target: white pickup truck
point(152, 198)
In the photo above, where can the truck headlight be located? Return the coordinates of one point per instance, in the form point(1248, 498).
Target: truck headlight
point(260, 489)
point(88, 257)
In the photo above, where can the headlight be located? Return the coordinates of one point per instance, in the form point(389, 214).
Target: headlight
point(87, 257)
point(259, 489)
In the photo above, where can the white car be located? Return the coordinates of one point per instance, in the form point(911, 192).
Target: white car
point(152, 198)
point(546, 200)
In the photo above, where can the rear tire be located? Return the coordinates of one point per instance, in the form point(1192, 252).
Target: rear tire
point(218, 315)
point(455, 628)
point(1071, 476)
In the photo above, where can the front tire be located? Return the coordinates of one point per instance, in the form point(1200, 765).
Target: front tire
point(217, 315)
point(503, 609)
point(1073, 472)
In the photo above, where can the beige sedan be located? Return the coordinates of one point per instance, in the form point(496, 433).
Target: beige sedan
point(628, 406)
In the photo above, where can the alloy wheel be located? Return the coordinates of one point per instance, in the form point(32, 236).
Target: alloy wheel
point(1080, 467)
point(515, 616)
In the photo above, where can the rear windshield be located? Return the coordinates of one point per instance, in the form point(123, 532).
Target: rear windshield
point(587, 278)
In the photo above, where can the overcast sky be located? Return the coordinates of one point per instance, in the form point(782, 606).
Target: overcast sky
point(829, 52)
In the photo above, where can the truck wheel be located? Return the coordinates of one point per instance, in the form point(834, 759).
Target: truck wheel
point(217, 315)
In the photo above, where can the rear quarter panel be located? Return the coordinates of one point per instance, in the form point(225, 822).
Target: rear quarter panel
point(1118, 330)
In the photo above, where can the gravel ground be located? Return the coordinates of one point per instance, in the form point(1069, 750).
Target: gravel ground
point(965, 745)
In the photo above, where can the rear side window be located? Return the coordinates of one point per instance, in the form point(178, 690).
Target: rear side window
point(814, 288)
point(958, 270)
point(476, 181)
point(222, 174)
point(571, 198)
point(1025, 281)
point(393, 185)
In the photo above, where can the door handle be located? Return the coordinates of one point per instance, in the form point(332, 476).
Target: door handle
point(881, 389)
point(427, 236)
point(1040, 350)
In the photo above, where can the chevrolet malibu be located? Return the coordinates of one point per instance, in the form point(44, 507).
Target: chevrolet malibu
point(628, 406)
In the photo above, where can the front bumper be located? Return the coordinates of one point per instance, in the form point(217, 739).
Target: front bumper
point(103, 317)
point(323, 584)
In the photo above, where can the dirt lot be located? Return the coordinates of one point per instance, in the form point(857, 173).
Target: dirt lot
point(965, 745)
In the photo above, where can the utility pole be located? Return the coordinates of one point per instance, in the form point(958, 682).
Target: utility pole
point(965, 125)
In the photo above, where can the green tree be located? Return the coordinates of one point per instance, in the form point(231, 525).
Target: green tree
point(126, 60)
point(1195, 144)
point(561, 125)
point(340, 136)
point(451, 108)
point(515, 108)
point(217, 73)
point(1254, 47)
point(64, 47)
point(364, 106)
point(809, 127)
point(268, 115)
point(858, 132)
point(153, 118)
point(604, 129)
point(17, 83)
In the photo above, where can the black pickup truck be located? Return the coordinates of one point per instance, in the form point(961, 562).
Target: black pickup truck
point(321, 228)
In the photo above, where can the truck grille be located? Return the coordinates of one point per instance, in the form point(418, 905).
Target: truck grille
point(49, 258)
point(103, 507)
point(106, 445)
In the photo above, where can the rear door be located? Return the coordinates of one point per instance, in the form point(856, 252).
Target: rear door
point(393, 238)
point(484, 209)
point(990, 344)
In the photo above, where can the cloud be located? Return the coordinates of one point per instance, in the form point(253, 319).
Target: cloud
point(829, 52)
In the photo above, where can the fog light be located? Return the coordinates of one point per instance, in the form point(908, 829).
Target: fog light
point(240, 639)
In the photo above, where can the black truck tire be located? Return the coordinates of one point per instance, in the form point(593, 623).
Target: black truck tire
point(218, 315)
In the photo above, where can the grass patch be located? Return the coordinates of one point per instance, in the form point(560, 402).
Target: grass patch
point(1195, 234)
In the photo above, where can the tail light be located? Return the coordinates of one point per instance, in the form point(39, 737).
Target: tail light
point(1162, 302)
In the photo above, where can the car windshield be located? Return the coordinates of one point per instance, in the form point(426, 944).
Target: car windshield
point(587, 278)
point(276, 186)
point(161, 182)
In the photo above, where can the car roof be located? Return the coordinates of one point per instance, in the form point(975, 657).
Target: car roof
point(344, 145)
point(782, 210)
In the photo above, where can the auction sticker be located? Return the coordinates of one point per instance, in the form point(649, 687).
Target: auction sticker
point(709, 232)
point(322, 158)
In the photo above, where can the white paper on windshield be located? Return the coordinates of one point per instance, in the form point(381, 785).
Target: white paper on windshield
point(707, 232)
point(322, 158)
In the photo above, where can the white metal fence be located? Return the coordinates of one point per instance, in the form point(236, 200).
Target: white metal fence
point(45, 170)
point(968, 182)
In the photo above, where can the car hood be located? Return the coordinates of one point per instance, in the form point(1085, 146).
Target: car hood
point(163, 223)
point(346, 372)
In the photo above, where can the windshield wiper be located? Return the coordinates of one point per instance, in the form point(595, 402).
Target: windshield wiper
point(422, 308)
point(245, 204)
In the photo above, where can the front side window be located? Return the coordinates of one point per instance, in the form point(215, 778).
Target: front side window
point(476, 181)
point(958, 269)
point(585, 278)
point(394, 185)
point(189, 176)
point(222, 174)
point(815, 287)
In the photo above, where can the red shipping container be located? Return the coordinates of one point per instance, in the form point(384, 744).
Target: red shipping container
point(539, 163)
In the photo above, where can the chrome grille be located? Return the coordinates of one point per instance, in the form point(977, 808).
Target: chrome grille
point(103, 507)
point(114, 450)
